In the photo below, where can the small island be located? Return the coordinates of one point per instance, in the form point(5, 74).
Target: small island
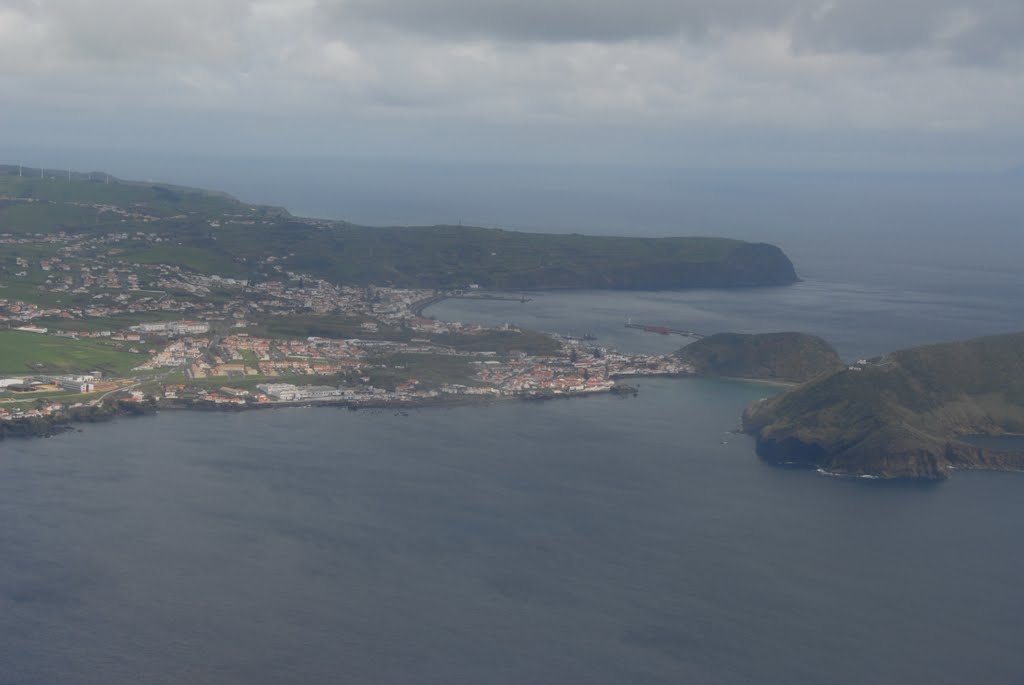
point(910, 414)
point(778, 357)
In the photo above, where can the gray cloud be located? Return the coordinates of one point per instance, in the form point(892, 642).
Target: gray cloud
point(137, 31)
point(382, 65)
point(997, 37)
point(981, 31)
point(972, 31)
point(561, 20)
point(871, 26)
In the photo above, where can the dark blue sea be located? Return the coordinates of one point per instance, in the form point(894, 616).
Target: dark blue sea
point(600, 540)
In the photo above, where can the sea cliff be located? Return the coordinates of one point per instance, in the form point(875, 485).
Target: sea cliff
point(904, 415)
point(215, 234)
point(453, 257)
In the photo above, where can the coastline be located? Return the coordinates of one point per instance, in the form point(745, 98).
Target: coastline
point(417, 308)
point(50, 425)
point(53, 424)
point(760, 381)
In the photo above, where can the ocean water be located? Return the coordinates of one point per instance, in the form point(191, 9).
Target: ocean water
point(601, 540)
point(860, 320)
point(860, 317)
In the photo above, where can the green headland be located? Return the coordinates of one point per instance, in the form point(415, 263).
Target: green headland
point(782, 357)
point(909, 414)
point(213, 233)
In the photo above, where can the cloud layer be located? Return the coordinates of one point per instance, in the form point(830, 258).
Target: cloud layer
point(679, 64)
point(955, 29)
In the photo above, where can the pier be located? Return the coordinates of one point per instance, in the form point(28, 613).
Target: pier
point(664, 330)
point(522, 299)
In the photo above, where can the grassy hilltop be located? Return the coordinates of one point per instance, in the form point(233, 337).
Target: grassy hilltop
point(31, 353)
point(456, 256)
point(903, 415)
point(788, 357)
point(40, 203)
point(212, 232)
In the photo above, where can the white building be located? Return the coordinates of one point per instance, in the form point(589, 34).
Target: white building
point(173, 327)
point(286, 392)
point(78, 386)
point(189, 327)
point(76, 383)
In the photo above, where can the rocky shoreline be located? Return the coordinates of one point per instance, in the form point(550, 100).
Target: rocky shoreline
point(905, 415)
point(45, 426)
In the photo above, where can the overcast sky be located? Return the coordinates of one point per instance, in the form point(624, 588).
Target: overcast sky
point(927, 84)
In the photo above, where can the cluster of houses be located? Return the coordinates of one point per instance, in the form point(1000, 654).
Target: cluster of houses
point(93, 265)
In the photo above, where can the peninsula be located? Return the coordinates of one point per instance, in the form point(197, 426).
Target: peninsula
point(119, 296)
point(213, 233)
point(909, 414)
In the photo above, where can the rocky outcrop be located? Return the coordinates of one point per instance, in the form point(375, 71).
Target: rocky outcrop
point(905, 415)
point(789, 357)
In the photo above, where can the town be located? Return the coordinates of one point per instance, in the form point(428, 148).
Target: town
point(164, 334)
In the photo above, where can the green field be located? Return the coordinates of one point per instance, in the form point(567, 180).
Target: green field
point(194, 258)
point(159, 198)
point(20, 217)
point(31, 251)
point(25, 353)
point(22, 290)
point(330, 326)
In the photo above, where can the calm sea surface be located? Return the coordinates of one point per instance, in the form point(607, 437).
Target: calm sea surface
point(591, 541)
point(599, 540)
